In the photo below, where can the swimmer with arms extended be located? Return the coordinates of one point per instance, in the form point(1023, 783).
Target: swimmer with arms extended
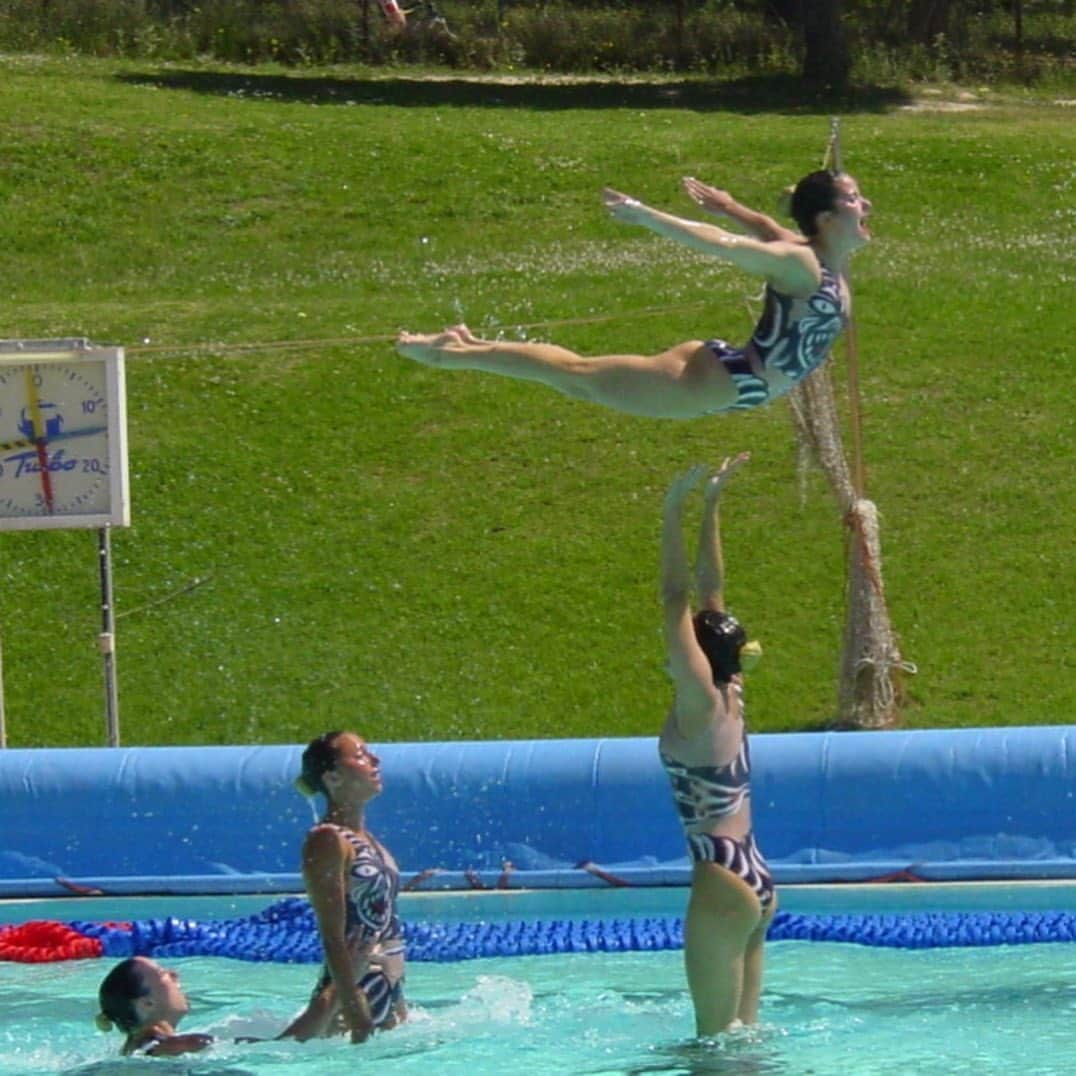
point(807, 304)
point(704, 750)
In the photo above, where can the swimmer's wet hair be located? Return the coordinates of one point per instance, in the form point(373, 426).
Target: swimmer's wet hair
point(815, 193)
point(318, 758)
point(117, 994)
point(721, 637)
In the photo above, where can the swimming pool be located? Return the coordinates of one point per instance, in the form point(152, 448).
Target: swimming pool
point(826, 1007)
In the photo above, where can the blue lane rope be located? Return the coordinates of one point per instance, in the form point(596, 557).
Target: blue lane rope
point(286, 932)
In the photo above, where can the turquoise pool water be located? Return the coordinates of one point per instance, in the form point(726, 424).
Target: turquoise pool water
point(827, 1008)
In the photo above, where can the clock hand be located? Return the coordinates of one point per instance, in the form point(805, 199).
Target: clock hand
point(36, 424)
point(26, 442)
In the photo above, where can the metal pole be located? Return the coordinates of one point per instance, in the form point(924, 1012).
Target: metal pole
point(833, 153)
point(106, 640)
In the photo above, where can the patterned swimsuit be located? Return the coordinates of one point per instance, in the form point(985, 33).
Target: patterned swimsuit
point(374, 884)
point(795, 346)
point(704, 794)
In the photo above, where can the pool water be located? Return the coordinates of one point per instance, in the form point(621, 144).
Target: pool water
point(826, 1008)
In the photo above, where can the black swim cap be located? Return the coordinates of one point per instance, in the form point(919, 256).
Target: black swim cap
point(720, 636)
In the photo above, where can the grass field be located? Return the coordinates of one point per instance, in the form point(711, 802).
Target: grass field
point(327, 535)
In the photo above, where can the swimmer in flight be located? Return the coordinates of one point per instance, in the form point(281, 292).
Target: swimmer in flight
point(807, 304)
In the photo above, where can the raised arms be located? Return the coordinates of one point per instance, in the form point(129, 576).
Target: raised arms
point(722, 204)
point(697, 702)
point(791, 267)
point(709, 561)
point(696, 699)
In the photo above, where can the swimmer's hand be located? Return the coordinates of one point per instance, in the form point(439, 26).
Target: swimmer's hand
point(174, 1045)
point(623, 206)
point(711, 199)
point(716, 482)
point(355, 1010)
point(682, 485)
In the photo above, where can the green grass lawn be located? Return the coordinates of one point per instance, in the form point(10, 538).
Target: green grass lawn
point(324, 534)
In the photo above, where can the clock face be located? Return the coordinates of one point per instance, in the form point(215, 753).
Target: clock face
point(55, 458)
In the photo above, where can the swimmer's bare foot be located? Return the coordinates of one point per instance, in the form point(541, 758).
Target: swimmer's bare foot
point(428, 348)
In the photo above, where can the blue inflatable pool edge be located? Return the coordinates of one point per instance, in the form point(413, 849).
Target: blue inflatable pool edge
point(937, 804)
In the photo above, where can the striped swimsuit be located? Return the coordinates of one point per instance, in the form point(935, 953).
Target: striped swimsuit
point(704, 794)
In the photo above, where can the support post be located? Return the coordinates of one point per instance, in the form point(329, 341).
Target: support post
point(106, 640)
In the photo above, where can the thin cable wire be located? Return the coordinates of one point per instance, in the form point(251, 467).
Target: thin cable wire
point(248, 346)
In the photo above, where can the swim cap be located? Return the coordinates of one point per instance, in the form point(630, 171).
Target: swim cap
point(721, 637)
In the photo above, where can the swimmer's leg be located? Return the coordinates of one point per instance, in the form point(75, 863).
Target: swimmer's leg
point(723, 915)
point(752, 967)
point(684, 382)
point(316, 1020)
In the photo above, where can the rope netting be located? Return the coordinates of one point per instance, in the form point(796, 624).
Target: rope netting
point(869, 688)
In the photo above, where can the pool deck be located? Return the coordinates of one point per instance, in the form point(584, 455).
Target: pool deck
point(625, 902)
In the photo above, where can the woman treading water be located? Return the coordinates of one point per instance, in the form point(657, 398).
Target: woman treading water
point(807, 304)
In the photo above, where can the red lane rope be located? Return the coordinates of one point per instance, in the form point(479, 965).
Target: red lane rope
point(42, 941)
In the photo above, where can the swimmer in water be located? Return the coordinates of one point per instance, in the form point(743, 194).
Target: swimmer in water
point(704, 750)
point(352, 881)
point(145, 1002)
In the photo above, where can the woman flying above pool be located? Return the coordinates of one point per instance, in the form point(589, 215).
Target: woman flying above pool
point(352, 882)
point(807, 304)
point(703, 747)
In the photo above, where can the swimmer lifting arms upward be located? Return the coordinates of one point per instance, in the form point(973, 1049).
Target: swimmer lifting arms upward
point(807, 304)
point(704, 749)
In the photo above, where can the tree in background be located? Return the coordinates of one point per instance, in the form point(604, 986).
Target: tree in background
point(827, 60)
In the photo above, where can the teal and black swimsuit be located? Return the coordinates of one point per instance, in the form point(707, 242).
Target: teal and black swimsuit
point(795, 346)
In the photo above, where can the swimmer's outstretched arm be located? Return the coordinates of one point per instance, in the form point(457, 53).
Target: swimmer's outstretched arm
point(188, 1042)
point(722, 204)
point(709, 562)
point(791, 268)
point(696, 701)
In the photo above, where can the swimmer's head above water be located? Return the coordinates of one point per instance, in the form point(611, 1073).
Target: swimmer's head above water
point(139, 991)
point(336, 763)
point(318, 758)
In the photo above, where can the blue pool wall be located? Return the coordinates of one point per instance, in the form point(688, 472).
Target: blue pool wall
point(941, 805)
